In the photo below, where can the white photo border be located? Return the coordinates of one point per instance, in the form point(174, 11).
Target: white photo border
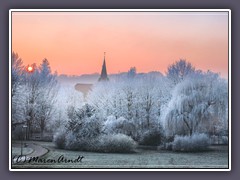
point(123, 10)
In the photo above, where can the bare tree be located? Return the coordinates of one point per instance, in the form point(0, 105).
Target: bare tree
point(178, 71)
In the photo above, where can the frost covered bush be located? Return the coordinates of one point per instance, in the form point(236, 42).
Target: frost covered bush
point(82, 136)
point(87, 136)
point(59, 138)
point(116, 143)
point(196, 142)
point(153, 137)
point(120, 125)
point(71, 142)
point(168, 146)
point(74, 142)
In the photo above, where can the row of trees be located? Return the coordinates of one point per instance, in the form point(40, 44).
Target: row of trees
point(140, 101)
point(183, 102)
point(142, 106)
point(181, 110)
point(33, 95)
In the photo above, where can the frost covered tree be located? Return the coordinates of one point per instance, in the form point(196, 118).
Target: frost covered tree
point(138, 100)
point(81, 130)
point(17, 72)
point(39, 91)
point(47, 98)
point(31, 94)
point(197, 105)
point(132, 72)
point(68, 100)
point(77, 116)
point(178, 71)
point(17, 90)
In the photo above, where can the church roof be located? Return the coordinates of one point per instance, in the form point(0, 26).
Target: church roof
point(103, 76)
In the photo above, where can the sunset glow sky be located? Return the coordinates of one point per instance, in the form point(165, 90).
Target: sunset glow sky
point(74, 42)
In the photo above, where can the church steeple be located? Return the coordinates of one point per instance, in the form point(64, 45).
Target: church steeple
point(104, 76)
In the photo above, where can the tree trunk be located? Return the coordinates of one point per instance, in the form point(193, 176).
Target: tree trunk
point(190, 132)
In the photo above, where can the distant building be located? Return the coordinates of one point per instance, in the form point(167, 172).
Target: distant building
point(103, 76)
point(85, 88)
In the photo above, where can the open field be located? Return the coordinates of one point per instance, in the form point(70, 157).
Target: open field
point(216, 157)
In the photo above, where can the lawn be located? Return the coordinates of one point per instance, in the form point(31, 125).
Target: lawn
point(216, 157)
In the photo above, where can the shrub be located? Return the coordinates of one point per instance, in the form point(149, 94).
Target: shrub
point(87, 136)
point(116, 143)
point(168, 146)
point(47, 138)
point(84, 137)
point(119, 126)
point(169, 139)
point(71, 142)
point(90, 128)
point(152, 137)
point(81, 135)
point(196, 142)
point(59, 138)
point(80, 144)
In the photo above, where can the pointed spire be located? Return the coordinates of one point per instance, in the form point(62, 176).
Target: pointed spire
point(104, 76)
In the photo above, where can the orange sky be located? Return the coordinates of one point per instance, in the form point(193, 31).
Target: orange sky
point(74, 42)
